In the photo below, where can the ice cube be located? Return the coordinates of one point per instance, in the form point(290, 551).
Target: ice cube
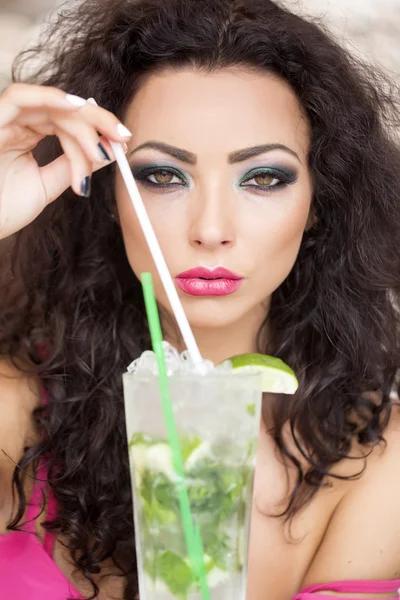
point(175, 362)
point(147, 361)
point(172, 358)
point(170, 350)
point(188, 366)
point(216, 577)
point(225, 366)
point(133, 367)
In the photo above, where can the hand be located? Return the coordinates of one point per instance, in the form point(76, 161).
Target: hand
point(28, 113)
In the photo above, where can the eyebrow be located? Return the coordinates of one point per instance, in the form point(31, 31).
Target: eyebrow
point(242, 155)
point(233, 157)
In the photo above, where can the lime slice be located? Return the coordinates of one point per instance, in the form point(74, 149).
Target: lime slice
point(276, 375)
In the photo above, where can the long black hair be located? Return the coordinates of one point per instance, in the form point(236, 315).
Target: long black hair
point(72, 304)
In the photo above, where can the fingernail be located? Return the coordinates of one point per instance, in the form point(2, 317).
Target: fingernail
point(75, 100)
point(86, 187)
point(123, 131)
point(103, 152)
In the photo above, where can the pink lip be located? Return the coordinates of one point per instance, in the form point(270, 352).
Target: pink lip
point(201, 281)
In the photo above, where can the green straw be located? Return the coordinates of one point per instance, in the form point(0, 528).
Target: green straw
point(192, 535)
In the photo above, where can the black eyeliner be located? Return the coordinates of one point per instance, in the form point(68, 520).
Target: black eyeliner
point(142, 172)
point(285, 176)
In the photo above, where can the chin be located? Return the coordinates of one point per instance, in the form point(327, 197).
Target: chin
point(211, 313)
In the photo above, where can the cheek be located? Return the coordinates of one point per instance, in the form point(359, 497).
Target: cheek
point(167, 224)
point(276, 239)
point(135, 244)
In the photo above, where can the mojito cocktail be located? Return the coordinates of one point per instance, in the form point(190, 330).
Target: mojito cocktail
point(218, 417)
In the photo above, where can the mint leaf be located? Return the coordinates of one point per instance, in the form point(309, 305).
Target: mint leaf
point(217, 548)
point(215, 489)
point(231, 481)
point(175, 572)
point(203, 489)
point(231, 491)
point(188, 445)
point(165, 493)
point(159, 508)
point(146, 488)
point(141, 438)
point(156, 514)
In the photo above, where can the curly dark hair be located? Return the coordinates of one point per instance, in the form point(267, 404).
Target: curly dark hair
point(73, 305)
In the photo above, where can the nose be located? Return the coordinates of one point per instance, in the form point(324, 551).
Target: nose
point(212, 220)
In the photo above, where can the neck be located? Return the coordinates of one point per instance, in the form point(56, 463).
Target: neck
point(219, 343)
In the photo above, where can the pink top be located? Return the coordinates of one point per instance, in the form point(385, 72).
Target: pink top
point(27, 569)
point(353, 586)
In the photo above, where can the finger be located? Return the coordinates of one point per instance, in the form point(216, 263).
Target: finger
point(56, 176)
point(84, 135)
point(107, 148)
point(14, 138)
point(37, 125)
point(8, 112)
point(105, 122)
point(81, 166)
point(21, 96)
point(44, 122)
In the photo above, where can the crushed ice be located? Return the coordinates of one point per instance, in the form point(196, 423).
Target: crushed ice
point(176, 363)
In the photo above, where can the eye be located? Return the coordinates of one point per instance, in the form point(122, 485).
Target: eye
point(159, 177)
point(163, 177)
point(268, 179)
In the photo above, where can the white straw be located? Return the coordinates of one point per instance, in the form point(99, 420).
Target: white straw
point(154, 246)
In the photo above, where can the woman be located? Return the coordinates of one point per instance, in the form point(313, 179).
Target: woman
point(259, 145)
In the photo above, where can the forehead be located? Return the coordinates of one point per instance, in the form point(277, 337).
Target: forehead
point(225, 109)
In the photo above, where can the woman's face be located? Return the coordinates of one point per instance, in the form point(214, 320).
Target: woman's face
point(221, 163)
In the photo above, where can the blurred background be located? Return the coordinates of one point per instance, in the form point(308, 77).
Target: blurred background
point(369, 27)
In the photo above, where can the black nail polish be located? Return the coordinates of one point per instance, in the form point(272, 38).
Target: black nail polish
point(86, 187)
point(103, 152)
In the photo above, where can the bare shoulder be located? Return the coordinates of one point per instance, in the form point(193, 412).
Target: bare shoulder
point(19, 395)
point(362, 540)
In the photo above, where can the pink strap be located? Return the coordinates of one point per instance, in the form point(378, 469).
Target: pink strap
point(356, 586)
point(50, 537)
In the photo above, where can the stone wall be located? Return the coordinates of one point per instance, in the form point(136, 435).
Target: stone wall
point(371, 27)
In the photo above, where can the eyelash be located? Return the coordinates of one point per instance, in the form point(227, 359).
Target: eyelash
point(283, 178)
point(143, 175)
